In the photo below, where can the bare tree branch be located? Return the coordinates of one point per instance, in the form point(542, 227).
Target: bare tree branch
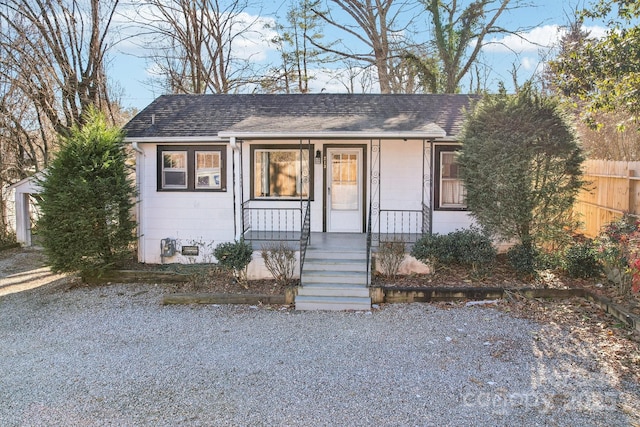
point(456, 29)
point(377, 25)
point(198, 43)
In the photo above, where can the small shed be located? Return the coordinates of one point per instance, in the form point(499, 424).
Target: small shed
point(23, 191)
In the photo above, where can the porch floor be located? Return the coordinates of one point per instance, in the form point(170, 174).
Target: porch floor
point(338, 241)
point(318, 240)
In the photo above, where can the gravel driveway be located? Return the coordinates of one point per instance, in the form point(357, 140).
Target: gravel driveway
point(114, 356)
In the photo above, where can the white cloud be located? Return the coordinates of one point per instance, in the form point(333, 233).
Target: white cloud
point(596, 31)
point(544, 37)
point(254, 42)
point(138, 40)
point(528, 63)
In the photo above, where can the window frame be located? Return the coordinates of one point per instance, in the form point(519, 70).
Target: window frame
point(439, 149)
point(309, 148)
point(207, 171)
point(191, 170)
point(183, 170)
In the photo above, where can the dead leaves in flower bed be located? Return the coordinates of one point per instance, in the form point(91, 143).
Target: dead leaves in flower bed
point(501, 276)
point(210, 279)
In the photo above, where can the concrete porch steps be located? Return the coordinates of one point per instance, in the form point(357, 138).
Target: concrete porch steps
point(334, 280)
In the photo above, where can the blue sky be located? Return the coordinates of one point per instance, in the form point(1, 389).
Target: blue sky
point(544, 18)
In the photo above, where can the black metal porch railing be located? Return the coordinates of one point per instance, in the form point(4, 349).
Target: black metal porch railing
point(400, 224)
point(369, 245)
point(271, 224)
point(305, 237)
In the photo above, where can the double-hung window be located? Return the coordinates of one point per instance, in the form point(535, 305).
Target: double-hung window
point(281, 172)
point(174, 170)
point(191, 168)
point(449, 192)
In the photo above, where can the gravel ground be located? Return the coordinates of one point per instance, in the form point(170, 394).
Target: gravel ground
point(114, 356)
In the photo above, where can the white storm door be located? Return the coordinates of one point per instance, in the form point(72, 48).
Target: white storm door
point(344, 190)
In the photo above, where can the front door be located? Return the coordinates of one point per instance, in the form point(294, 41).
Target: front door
point(344, 190)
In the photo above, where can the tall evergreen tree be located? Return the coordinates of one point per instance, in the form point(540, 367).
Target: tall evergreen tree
point(87, 200)
point(521, 166)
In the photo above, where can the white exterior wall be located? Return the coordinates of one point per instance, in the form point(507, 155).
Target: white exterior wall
point(445, 222)
point(401, 175)
point(198, 218)
point(207, 218)
point(403, 166)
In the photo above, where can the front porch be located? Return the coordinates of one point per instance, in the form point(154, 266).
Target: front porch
point(335, 268)
point(332, 207)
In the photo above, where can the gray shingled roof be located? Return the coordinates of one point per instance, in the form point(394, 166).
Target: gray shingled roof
point(174, 116)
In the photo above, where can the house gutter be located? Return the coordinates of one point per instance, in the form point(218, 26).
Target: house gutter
point(231, 137)
point(176, 139)
point(382, 134)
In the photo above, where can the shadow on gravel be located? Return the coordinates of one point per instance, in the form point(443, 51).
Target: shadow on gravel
point(24, 269)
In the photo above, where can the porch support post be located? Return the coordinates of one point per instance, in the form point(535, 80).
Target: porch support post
point(305, 176)
point(427, 190)
point(374, 189)
point(241, 188)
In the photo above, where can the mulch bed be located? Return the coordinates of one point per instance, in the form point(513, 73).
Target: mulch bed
point(209, 279)
point(203, 278)
point(501, 276)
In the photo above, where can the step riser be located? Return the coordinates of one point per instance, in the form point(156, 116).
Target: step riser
point(318, 266)
point(335, 285)
point(333, 292)
point(334, 280)
point(332, 307)
point(361, 256)
point(316, 299)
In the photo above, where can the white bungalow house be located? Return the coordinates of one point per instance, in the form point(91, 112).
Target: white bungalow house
point(341, 171)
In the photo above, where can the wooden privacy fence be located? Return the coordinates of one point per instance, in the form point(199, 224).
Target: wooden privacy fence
point(613, 188)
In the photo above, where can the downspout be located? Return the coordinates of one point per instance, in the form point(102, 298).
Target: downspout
point(431, 186)
point(234, 149)
point(233, 143)
point(139, 184)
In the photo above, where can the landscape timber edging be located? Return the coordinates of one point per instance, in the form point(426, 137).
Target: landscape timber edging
point(391, 294)
point(144, 276)
point(252, 299)
point(379, 294)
